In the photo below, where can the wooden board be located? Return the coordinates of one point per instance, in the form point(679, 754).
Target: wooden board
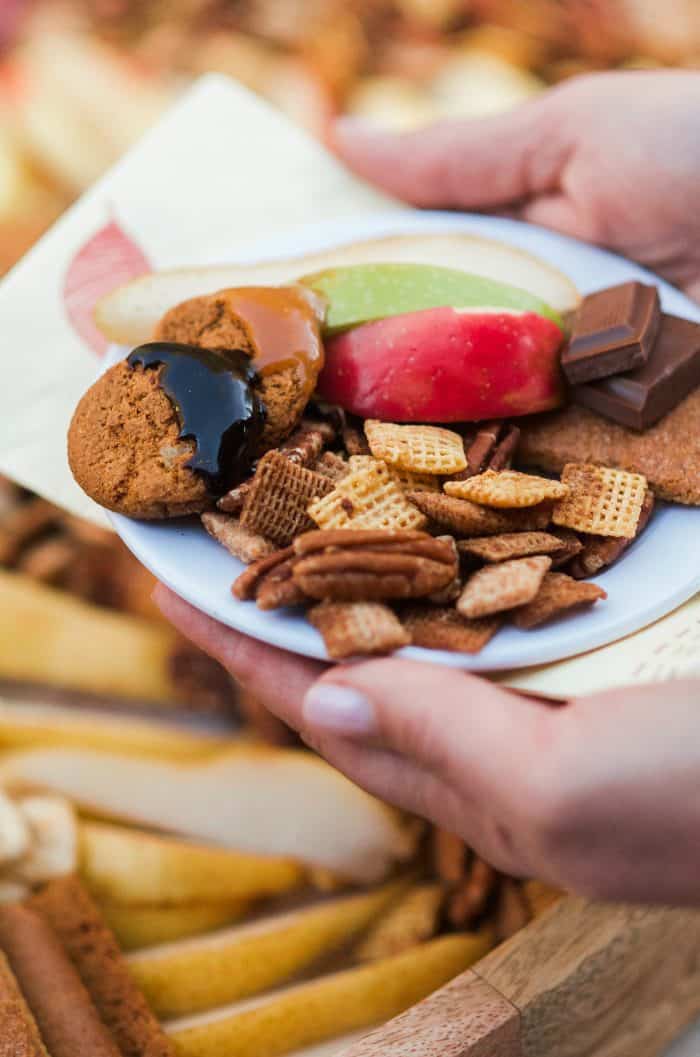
point(582, 980)
point(609, 981)
point(467, 1018)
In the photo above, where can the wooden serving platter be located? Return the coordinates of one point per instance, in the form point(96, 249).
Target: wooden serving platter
point(582, 980)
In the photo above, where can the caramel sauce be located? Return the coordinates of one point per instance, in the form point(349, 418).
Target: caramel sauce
point(284, 325)
point(214, 395)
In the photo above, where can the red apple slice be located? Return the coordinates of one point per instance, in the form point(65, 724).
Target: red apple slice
point(446, 365)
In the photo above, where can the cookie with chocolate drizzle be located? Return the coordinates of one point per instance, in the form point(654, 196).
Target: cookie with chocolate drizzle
point(280, 326)
point(182, 420)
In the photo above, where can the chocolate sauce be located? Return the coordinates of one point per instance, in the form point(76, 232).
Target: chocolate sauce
point(212, 391)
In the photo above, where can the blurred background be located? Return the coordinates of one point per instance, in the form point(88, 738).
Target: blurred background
point(81, 79)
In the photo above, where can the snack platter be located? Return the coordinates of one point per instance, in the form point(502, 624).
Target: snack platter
point(640, 588)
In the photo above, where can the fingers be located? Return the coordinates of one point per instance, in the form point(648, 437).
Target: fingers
point(560, 213)
point(393, 779)
point(413, 709)
point(451, 730)
point(472, 164)
point(442, 744)
point(277, 678)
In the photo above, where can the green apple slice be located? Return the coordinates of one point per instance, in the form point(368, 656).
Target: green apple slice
point(363, 293)
point(130, 313)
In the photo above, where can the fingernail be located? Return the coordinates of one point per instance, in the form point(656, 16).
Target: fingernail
point(339, 709)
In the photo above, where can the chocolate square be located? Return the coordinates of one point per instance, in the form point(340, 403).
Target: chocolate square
point(614, 330)
point(641, 397)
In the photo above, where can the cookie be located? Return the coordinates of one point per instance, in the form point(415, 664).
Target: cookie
point(215, 321)
point(124, 448)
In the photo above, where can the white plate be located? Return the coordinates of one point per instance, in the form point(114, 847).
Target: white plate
point(659, 573)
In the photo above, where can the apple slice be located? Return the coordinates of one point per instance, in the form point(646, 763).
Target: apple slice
point(124, 865)
point(446, 365)
point(365, 292)
point(129, 314)
point(145, 926)
point(330, 1006)
point(199, 974)
point(26, 724)
point(259, 800)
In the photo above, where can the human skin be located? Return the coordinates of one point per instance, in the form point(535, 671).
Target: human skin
point(601, 795)
point(610, 158)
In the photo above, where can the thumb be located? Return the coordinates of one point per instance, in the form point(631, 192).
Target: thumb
point(471, 164)
point(476, 759)
point(448, 722)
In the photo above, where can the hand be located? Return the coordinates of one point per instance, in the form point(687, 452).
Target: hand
point(601, 796)
point(610, 158)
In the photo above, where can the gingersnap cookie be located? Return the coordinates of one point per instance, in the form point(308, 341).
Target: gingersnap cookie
point(278, 327)
point(167, 431)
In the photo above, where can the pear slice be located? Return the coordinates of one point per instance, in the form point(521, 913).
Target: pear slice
point(130, 313)
point(365, 292)
point(329, 1006)
point(137, 927)
point(43, 637)
point(28, 724)
point(256, 799)
point(124, 865)
point(215, 970)
point(413, 919)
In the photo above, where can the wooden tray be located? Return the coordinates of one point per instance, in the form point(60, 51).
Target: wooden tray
point(582, 980)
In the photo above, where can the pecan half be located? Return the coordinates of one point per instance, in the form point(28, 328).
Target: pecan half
point(491, 448)
point(379, 565)
point(269, 582)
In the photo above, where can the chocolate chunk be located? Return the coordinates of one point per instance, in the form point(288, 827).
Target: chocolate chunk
point(614, 331)
point(641, 397)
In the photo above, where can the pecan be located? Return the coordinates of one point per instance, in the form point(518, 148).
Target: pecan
point(492, 448)
point(246, 586)
point(232, 502)
point(506, 448)
point(307, 442)
point(269, 582)
point(326, 539)
point(388, 565)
